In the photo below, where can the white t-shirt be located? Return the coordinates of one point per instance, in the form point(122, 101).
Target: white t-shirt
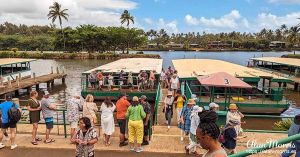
point(174, 83)
point(169, 101)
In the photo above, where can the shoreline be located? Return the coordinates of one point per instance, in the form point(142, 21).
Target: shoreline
point(220, 50)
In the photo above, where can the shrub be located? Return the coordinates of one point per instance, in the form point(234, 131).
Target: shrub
point(140, 52)
point(14, 49)
point(283, 125)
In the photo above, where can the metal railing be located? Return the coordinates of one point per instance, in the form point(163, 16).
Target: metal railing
point(157, 101)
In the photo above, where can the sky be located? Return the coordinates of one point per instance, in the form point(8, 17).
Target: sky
point(175, 16)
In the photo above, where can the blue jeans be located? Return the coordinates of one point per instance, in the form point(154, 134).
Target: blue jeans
point(291, 150)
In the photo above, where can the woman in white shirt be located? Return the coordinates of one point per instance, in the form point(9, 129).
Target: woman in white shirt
point(90, 109)
point(175, 84)
point(107, 119)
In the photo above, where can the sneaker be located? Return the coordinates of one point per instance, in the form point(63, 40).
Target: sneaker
point(2, 145)
point(123, 144)
point(138, 150)
point(169, 127)
point(13, 146)
point(132, 149)
point(145, 143)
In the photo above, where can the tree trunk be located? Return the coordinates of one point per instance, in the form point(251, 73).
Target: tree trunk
point(128, 39)
point(63, 34)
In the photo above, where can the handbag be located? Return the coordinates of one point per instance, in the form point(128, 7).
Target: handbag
point(95, 120)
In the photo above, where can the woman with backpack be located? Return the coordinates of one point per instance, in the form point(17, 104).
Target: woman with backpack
point(185, 117)
point(34, 108)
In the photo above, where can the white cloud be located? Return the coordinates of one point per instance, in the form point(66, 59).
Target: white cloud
point(34, 12)
point(271, 21)
point(148, 20)
point(227, 21)
point(285, 1)
point(170, 27)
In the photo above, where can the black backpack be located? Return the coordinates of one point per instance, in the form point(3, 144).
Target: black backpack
point(14, 114)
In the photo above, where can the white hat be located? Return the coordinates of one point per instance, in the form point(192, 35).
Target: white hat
point(46, 92)
point(212, 105)
point(197, 109)
point(194, 96)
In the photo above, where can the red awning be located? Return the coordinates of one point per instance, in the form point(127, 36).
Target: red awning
point(222, 79)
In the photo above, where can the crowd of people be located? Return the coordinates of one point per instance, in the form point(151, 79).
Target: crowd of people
point(144, 80)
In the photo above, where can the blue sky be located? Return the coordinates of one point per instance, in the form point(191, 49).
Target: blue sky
point(173, 15)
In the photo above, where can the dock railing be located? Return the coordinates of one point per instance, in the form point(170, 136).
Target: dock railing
point(157, 102)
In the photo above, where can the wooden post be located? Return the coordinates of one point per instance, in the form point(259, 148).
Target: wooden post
point(9, 82)
point(51, 70)
point(57, 70)
point(18, 81)
point(20, 76)
point(34, 79)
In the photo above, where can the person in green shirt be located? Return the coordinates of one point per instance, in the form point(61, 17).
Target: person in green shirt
point(135, 114)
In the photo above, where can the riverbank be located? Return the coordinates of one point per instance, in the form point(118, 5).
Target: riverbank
point(217, 49)
point(52, 55)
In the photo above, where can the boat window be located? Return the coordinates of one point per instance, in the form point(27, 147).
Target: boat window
point(14, 68)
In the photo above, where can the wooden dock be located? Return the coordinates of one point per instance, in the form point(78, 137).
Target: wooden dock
point(28, 83)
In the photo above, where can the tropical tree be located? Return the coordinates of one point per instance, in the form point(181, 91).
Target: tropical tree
point(126, 17)
point(56, 12)
point(293, 35)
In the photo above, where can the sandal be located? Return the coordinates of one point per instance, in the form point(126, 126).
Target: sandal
point(34, 143)
point(50, 141)
point(38, 139)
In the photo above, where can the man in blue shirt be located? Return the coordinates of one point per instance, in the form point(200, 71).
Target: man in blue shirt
point(4, 107)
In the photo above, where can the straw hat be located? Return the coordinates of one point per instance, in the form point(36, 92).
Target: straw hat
point(170, 93)
point(135, 98)
point(192, 101)
point(232, 107)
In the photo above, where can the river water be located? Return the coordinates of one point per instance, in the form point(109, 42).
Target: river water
point(74, 68)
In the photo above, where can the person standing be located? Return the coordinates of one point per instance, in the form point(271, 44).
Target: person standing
point(168, 108)
point(295, 145)
point(48, 110)
point(213, 107)
point(85, 138)
point(90, 109)
point(130, 81)
point(179, 102)
point(195, 120)
point(208, 133)
point(92, 79)
point(185, 118)
point(121, 107)
point(135, 114)
point(147, 110)
point(107, 119)
point(151, 79)
point(34, 108)
point(230, 137)
point(73, 106)
point(7, 123)
point(175, 84)
point(235, 114)
point(100, 78)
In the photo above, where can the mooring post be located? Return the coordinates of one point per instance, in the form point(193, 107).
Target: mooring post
point(20, 76)
point(34, 79)
point(57, 70)
point(51, 70)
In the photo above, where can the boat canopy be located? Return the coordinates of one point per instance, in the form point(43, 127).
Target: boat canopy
point(134, 65)
point(277, 60)
point(222, 79)
point(8, 61)
point(191, 68)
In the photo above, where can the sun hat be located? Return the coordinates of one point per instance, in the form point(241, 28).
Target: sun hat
point(232, 107)
point(234, 122)
point(213, 105)
point(194, 96)
point(135, 98)
point(170, 93)
point(192, 101)
point(143, 97)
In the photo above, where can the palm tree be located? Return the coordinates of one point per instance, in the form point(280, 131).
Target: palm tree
point(293, 35)
point(126, 17)
point(56, 12)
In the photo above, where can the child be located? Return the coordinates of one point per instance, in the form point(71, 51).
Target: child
point(230, 136)
point(110, 81)
point(234, 114)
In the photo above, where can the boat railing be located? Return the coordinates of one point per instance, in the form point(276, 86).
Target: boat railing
point(157, 101)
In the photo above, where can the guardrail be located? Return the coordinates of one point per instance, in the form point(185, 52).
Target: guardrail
point(157, 101)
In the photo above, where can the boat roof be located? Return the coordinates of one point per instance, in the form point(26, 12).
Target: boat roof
point(284, 61)
point(134, 65)
point(189, 68)
point(8, 61)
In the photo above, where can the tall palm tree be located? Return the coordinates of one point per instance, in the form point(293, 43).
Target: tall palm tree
point(56, 12)
point(293, 35)
point(126, 17)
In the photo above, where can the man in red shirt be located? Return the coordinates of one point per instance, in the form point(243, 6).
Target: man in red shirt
point(100, 79)
point(121, 107)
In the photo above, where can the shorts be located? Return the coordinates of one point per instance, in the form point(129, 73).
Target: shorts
point(73, 125)
point(122, 125)
point(101, 83)
point(49, 123)
point(8, 125)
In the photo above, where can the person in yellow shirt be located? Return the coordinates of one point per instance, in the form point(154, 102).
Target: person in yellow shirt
point(179, 103)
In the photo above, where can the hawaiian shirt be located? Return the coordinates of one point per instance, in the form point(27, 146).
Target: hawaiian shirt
point(85, 150)
point(73, 106)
